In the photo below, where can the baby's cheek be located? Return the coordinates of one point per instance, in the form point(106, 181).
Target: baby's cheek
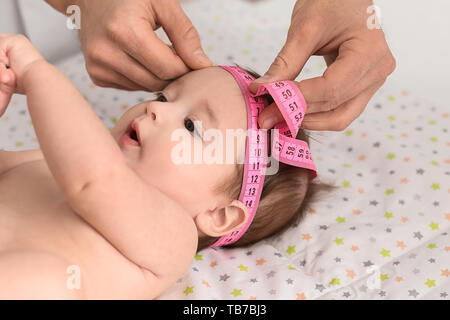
point(119, 129)
point(122, 124)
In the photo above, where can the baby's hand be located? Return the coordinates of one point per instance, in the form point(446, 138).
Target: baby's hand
point(17, 54)
point(7, 86)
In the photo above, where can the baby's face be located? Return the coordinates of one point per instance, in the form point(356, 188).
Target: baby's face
point(183, 102)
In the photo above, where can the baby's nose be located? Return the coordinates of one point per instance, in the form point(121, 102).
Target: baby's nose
point(151, 112)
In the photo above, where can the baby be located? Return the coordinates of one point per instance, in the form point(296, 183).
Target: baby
point(97, 214)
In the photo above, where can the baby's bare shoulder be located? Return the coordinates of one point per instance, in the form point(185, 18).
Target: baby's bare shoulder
point(32, 274)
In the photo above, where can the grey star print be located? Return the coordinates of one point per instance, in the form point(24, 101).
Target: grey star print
point(413, 293)
point(368, 263)
point(224, 277)
point(320, 287)
point(418, 235)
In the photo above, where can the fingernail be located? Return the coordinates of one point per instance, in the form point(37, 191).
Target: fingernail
point(269, 122)
point(201, 56)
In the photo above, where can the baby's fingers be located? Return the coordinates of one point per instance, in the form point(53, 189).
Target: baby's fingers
point(7, 87)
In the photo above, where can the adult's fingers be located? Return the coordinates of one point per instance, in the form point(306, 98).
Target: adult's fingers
point(270, 116)
point(142, 43)
point(341, 117)
point(104, 76)
point(377, 73)
point(183, 35)
point(128, 67)
point(300, 45)
point(350, 66)
point(334, 120)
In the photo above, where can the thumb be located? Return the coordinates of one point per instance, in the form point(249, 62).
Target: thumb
point(270, 116)
point(290, 61)
point(183, 35)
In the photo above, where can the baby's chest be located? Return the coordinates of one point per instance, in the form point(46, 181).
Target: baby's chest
point(35, 214)
point(32, 208)
point(30, 189)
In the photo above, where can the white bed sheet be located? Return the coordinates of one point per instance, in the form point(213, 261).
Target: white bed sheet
point(383, 235)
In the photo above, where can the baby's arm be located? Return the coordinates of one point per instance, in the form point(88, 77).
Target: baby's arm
point(77, 146)
point(146, 226)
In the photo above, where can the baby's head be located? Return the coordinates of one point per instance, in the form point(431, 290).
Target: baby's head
point(194, 103)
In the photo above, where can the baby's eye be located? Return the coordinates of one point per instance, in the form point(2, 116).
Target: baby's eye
point(189, 125)
point(160, 97)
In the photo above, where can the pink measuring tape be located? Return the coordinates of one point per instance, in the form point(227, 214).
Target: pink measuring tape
point(285, 148)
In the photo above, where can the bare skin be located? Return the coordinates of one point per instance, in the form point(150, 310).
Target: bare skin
point(125, 215)
point(41, 236)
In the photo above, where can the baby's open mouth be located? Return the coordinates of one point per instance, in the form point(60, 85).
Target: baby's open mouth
point(131, 136)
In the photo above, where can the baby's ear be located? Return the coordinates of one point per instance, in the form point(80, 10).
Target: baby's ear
point(221, 221)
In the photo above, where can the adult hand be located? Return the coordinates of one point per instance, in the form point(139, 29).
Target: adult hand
point(357, 55)
point(122, 50)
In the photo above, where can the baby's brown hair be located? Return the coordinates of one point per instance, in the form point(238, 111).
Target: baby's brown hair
point(284, 198)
